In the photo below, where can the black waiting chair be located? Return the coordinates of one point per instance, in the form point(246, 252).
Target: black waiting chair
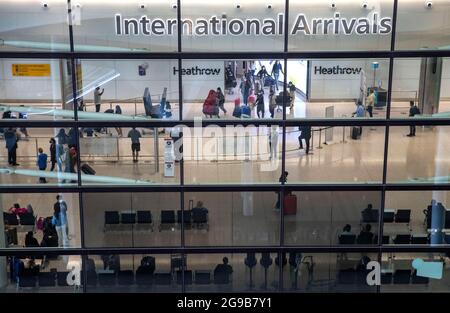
point(402, 239)
point(107, 279)
point(125, 278)
point(187, 277)
point(128, 218)
point(347, 276)
point(419, 280)
point(27, 219)
point(403, 216)
point(92, 278)
point(402, 276)
point(111, 218)
point(162, 278)
point(200, 218)
point(388, 217)
point(61, 279)
point(419, 239)
point(10, 219)
point(221, 278)
point(185, 217)
point(250, 261)
point(447, 219)
point(266, 262)
point(145, 218)
point(384, 241)
point(167, 219)
point(46, 279)
point(370, 217)
point(347, 239)
point(386, 278)
point(202, 277)
point(144, 279)
point(365, 239)
point(27, 281)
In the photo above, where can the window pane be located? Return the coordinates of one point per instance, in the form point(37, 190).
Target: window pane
point(131, 219)
point(135, 89)
point(116, 26)
point(357, 161)
point(225, 27)
point(422, 27)
point(24, 164)
point(36, 88)
point(30, 26)
point(332, 218)
point(357, 28)
point(398, 273)
point(231, 219)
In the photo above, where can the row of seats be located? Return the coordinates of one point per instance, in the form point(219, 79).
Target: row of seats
point(352, 276)
point(403, 239)
point(399, 216)
point(126, 278)
point(26, 219)
point(168, 218)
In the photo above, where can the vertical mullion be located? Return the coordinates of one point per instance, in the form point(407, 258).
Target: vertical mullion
point(180, 116)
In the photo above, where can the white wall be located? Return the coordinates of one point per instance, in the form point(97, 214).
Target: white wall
point(346, 87)
point(159, 74)
point(46, 88)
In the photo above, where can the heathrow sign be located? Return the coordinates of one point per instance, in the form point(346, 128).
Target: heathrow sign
point(373, 24)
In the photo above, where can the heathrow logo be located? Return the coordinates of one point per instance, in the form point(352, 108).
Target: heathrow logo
point(424, 269)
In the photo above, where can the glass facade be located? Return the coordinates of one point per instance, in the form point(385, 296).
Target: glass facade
point(187, 146)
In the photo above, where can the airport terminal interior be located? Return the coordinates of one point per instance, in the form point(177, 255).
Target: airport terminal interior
point(196, 147)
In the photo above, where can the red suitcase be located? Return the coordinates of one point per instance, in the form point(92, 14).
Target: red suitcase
point(290, 205)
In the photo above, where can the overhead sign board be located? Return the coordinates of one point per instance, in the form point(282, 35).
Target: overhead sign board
point(31, 69)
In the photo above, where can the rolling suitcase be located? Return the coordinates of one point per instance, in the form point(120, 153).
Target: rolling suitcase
point(355, 132)
point(87, 169)
point(290, 205)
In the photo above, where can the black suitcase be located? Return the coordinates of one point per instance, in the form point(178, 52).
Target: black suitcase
point(355, 132)
point(87, 169)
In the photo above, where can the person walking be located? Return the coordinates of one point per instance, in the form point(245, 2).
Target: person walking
point(413, 110)
point(134, 134)
point(52, 153)
point(276, 69)
point(360, 112)
point(292, 88)
point(245, 89)
point(272, 102)
point(98, 98)
point(261, 76)
point(11, 139)
point(59, 220)
point(221, 100)
point(306, 135)
point(260, 105)
point(42, 164)
point(370, 103)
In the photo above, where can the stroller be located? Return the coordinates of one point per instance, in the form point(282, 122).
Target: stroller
point(211, 106)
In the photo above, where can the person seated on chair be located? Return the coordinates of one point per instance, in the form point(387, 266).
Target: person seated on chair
point(347, 230)
point(199, 208)
point(30, 241)
point(224, 268)
point(16, 209)
point(369, 209)
point(366, 236)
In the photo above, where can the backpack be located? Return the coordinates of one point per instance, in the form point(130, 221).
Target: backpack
point(209, 106)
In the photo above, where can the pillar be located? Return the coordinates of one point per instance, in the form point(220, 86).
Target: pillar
point(437, 223)
point(430, 85)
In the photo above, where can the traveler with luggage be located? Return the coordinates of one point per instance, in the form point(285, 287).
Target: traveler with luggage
point(59, 220)
point(360, 112)
point(211, 105)
point(98, 98)
point(261, 76)
point(413, 110)
point(221, 100)
point(282, 179)
point(42, 164)
point(272, 102)
point(134, 134)
point(276, 69)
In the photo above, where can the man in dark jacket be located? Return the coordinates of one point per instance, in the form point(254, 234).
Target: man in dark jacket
point(413, 110)
point(305, 134)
